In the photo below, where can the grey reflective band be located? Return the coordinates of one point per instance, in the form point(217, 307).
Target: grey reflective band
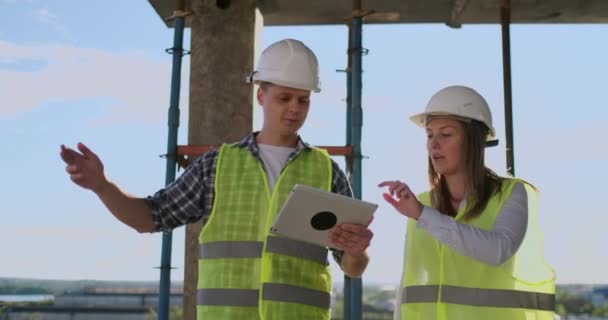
point(480, 297)
point(498, 298)
point(297, 249)
point(416, 294)
point(228, 297)
point(231, 249)
point(288, 293)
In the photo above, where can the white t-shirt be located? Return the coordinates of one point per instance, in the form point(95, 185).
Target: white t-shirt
point(274, 159)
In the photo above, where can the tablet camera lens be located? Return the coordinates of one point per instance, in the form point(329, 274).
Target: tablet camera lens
point(323, 220)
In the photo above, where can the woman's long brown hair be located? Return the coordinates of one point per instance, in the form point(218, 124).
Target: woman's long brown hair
point(481, 182)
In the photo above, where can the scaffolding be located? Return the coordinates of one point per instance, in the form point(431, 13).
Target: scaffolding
point(352, 151)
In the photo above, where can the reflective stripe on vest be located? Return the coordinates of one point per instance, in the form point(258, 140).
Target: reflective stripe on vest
point(297, 249)
point(479, 297)
point(230, 249)
point(287, 293)
point(228, 297)
point(271, 291)
point(253, 249)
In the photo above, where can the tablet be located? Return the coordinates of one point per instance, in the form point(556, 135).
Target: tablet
point(308, 214)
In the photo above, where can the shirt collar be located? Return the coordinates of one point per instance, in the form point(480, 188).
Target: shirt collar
point(251, 144)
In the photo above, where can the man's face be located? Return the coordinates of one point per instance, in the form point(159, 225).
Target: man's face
point(285, 109)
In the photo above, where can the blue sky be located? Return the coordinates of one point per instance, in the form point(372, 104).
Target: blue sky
point(68, 75)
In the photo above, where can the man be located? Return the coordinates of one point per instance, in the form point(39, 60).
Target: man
point(245, 272)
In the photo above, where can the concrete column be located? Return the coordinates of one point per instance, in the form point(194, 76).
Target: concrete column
point(221, 110)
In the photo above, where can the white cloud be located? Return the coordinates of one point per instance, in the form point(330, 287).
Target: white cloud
point(137, 85)
point(44, 16)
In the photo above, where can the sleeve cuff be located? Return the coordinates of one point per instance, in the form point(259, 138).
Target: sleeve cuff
point(430, 218)
point(154, 210)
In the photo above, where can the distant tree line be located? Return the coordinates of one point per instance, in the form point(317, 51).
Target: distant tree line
point(23, 290)
point(570, 304)
point(40, 286)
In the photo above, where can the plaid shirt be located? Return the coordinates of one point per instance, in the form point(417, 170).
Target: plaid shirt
point(190, 197)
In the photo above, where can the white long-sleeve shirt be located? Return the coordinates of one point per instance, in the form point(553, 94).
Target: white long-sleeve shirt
point(493, 247)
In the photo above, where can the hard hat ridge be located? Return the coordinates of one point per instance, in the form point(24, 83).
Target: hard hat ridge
point(288, 63)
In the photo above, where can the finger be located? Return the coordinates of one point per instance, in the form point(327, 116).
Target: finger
point(370, 221)
point(407, 194)
point(404, 194)
point(361, 238)
point(343, 234)
point(346, 242)
point(339, 243)
point(390, 199)
point(364, 237)
point(335, 232)
point(353, 228)
point(360, 243)
point(86, 151)
point(72, 169)
point(400, 188)
point(391, 189)
point(78, 177)
point(386, 183)
point(68, 155)
point(333, 238)
point(398, 185)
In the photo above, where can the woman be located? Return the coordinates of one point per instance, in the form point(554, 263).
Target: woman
point(468, 253)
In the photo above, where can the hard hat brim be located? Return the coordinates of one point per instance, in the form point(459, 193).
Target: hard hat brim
point(420, 120)
point(287, 84)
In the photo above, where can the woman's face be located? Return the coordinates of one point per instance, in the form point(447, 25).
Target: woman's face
point(445, 144)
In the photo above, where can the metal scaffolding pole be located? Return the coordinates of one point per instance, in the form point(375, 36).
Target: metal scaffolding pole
point(177, 52)
point(353, 287)
point(505, 15)
point(349, 164)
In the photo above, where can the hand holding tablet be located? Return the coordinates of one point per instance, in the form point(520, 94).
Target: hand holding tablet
point(309, 214)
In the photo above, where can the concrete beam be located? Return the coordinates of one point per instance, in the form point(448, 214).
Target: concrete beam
point(221, 103)
point(455, 18)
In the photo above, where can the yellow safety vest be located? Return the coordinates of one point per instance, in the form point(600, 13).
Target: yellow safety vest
point(441, 283)
point(247, 273)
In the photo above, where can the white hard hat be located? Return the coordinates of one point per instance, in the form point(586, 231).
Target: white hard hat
point(288, 63)
point(459, 101)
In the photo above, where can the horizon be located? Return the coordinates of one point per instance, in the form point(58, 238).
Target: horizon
point(341, 282)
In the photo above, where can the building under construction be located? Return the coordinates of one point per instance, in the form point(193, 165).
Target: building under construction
point(225, 37)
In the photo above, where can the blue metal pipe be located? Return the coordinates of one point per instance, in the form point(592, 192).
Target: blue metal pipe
point(171, 168)
point(357, 111)
point(349, 164)
point(356, 123)
point(349, 101)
